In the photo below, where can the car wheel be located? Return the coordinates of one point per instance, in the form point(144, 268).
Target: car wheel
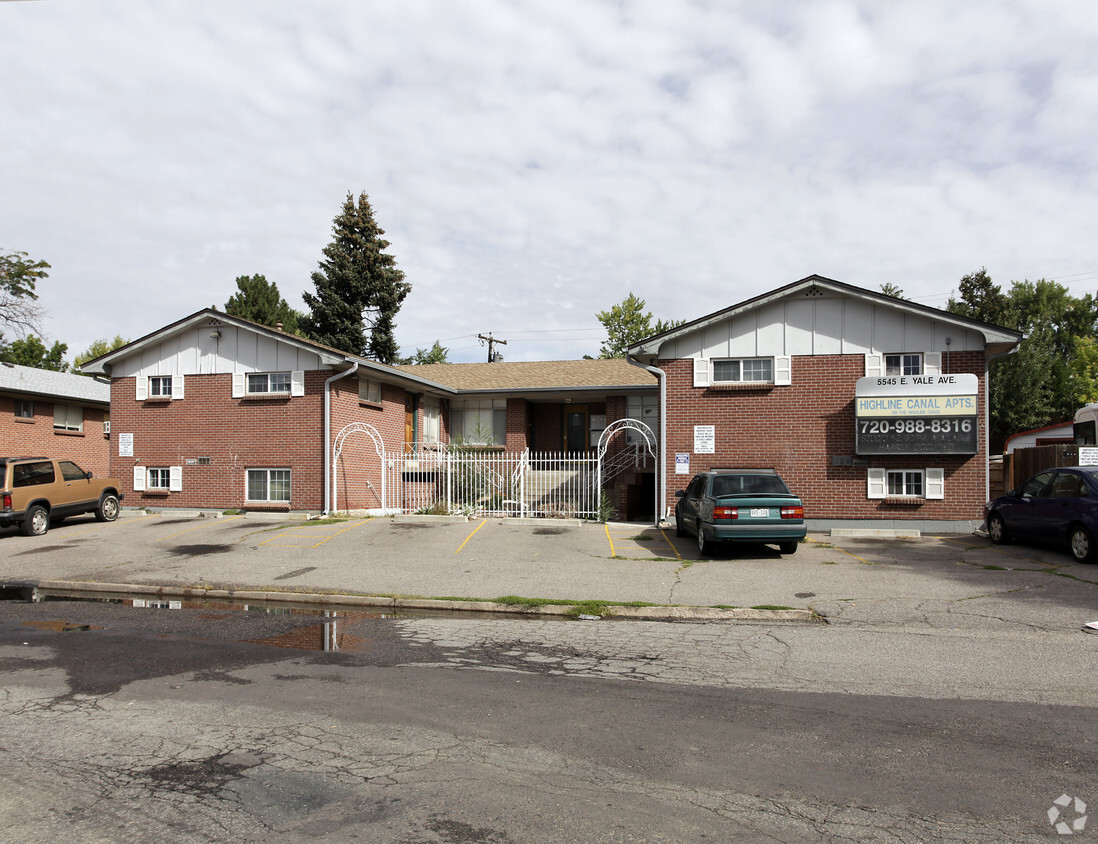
point(996, 529)
point(788, 547)
point(37, 521)
point(705, 546)
point(1082, 545)
point(107, 511)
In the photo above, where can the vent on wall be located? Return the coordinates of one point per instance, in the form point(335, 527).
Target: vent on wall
point(204, 461)
point(813, 291)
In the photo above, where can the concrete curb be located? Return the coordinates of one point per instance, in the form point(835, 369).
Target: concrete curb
point(659, 613)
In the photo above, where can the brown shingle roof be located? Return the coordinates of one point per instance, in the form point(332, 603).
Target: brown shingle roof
point(534, 375)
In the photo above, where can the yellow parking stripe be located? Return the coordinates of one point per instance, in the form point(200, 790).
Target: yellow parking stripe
point(470, 536)
point(292, 533)
point(209, 523)
point(101, 526)
point(609, 539)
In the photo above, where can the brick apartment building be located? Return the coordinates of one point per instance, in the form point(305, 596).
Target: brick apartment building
point(55, 414)
point(871, 408)
point(218, 412)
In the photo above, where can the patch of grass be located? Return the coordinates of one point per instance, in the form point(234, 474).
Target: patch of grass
point(867, 563)
point(230, 512)
point(829, 563)
point(995, 568)
point(821, 544)
point(725, 607)
point(771, 607)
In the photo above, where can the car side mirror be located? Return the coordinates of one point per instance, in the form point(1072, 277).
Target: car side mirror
point(679, 493)
point(88, 475)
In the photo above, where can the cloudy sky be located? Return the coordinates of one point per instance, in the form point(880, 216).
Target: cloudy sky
point(532, 163)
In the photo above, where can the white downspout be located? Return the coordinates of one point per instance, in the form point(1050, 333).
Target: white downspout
point(328, 433)
point(662, 463)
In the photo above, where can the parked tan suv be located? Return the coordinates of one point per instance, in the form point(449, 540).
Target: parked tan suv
point(36, 492)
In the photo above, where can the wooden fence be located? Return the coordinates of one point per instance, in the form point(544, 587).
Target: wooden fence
point(1024, 462)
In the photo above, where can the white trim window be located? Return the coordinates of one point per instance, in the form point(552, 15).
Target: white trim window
point(68, 417)
point(268, 485)
point(431, 418)
point(904, 483)
point(159, 387)
point(158, 477)
point(926, 484)
point(268, 383)
point(481, 422)
point(903, 364)
point(369, 391)
point(743, 371)
point(776, 371)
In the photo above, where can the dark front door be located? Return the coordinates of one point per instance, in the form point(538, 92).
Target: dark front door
point(575, 430)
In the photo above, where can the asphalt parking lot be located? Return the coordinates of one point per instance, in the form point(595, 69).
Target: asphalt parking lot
point(949, 581)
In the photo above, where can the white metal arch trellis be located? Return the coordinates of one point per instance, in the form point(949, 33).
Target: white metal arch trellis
point(337, 449)
point(615, 428)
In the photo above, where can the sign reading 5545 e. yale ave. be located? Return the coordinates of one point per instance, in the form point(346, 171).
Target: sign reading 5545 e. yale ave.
point(916, 414)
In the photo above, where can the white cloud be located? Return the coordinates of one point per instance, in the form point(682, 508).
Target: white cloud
point(534, 163)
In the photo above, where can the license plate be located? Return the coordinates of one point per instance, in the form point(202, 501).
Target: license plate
point(760, 512)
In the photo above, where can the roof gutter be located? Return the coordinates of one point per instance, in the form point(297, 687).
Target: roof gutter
point(660, 376)
point(328, 432)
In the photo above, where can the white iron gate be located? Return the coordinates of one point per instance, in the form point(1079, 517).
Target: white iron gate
point(448, 479)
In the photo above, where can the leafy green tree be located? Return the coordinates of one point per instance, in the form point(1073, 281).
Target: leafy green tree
point(980, 298)
point(358, 284)
point(99, 348)
point(889, 289)
point(18, 277)
point(31, 351)
point(1084, 372)
point(436, 354)
point(1041, 383)
point(626, 324)
point(259, 300)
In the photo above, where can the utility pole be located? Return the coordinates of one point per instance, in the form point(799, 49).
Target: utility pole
point(493, 357)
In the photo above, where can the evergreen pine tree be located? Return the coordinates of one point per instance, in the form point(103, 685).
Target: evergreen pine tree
point(259, 300)
point(357, 285)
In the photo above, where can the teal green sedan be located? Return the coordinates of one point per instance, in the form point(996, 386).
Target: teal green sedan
point(740, 505)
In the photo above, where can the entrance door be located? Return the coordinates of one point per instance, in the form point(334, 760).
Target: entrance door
point(409, 423)
point(575, 430)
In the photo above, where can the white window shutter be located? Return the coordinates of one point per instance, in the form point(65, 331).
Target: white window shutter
point(175, 478)
point(701, 372)
point(142, 387)
point(932, 363)
point(874, 365)
point(875, 486)
point(297, 382)
point(935, 483)
point(238, 385)
point(138, 478)
point(177, 386)
point(783, 370)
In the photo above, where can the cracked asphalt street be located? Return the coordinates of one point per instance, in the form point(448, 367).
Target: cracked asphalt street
point(949, 696)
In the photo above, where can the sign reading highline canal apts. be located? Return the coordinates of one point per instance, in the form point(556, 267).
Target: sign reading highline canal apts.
point(916, 414)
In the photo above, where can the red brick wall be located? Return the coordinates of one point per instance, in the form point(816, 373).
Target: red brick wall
point(798, 429)
point(358, 469)
point(235, 433)
point(517, 425)
point(90, 449)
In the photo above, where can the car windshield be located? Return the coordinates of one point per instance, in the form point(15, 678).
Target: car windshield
point(748, 485)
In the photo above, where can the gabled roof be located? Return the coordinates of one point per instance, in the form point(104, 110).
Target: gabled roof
point(62, 385)
point(537, 376)
point(996, 338)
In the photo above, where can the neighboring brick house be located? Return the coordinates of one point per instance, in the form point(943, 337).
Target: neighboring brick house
point(218, 412)
point(55, 414)
point(872, 408)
